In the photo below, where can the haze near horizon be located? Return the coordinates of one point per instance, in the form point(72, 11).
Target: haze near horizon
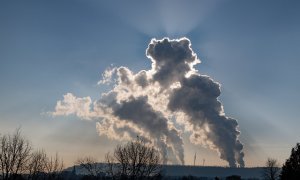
point(125, 69)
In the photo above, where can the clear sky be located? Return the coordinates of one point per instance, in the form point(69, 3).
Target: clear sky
point(50, 48)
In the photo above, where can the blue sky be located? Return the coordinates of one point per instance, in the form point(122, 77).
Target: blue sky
point(49, 48)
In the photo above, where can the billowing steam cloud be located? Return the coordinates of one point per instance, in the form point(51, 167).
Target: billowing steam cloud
point(146, 104)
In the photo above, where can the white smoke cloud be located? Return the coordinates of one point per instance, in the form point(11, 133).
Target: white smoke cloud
point(73, 105)
point(143, 104)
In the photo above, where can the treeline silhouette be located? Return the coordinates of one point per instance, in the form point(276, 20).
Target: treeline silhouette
point(135, 160)
point(18, 160)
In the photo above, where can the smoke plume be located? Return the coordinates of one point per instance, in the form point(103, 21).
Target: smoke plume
point(146, 103)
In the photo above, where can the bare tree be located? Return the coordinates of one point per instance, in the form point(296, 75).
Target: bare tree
point(37, 164)
point(134, 160)
point(272, 170)
point(14, 154)
point(53, 167)
point(40, 166)
point(112, 166)
point(90, 165)
point(16, 159)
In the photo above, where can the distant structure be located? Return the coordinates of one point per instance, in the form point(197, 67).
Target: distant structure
point(203, 162)
point(195, 156)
